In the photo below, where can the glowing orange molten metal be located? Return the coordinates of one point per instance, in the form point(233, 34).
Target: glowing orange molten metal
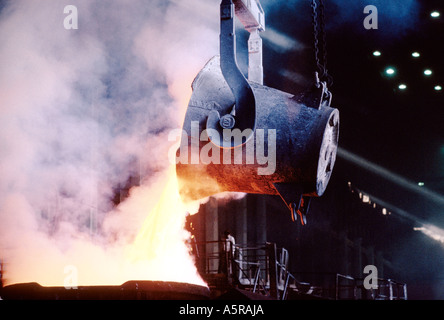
point(159, 250)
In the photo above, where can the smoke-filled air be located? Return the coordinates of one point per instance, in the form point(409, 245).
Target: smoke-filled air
point(82, 112)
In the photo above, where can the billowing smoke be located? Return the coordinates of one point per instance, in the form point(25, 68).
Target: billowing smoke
point(83, 110)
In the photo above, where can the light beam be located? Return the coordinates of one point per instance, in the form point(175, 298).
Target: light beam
point(386, 174)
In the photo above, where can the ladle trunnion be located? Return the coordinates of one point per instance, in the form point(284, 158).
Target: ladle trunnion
point(241, 136)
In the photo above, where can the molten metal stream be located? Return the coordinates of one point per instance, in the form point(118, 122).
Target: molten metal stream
point(159, 251)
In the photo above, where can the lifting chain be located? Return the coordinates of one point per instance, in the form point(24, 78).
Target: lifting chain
point(320, 42)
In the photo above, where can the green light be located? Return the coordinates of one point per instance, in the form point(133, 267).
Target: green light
point(416, 54)
point(390, 71)
point(402, 86)
point(438, 88)
point(428, 72)
point(421, 184)
point(377, 53)
point(435, 14)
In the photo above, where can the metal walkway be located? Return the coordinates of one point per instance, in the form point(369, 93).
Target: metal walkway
point(262, 269)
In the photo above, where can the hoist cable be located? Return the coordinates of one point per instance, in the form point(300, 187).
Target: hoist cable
point(320, 40)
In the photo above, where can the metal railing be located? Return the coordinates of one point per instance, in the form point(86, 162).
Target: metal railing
point(253, 268)
point(350, 288)
point(389, 289)
point(247, 266)
point(263, 269)
point(346, 287)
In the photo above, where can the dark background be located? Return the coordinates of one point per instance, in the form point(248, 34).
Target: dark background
point(399, 131)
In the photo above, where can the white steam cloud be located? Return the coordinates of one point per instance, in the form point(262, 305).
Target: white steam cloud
point(83, 110)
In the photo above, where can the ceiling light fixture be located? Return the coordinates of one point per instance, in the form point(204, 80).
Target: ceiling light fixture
point(390, 71)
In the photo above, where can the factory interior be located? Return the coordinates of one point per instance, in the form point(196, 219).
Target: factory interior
point(377, 232)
